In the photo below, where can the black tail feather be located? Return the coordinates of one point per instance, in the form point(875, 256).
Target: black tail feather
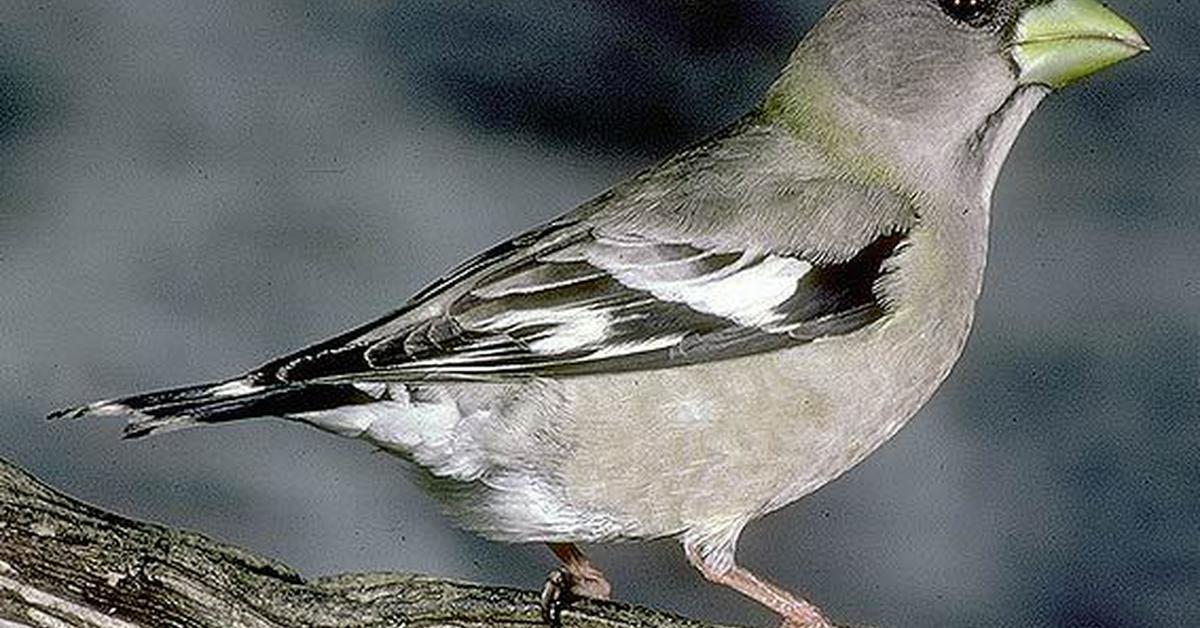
point(138, 403)
point(218, 403)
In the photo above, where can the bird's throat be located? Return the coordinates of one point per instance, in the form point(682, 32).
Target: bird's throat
point(987, 149)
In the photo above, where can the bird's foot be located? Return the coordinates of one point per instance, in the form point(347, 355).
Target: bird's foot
point(556, 595)
point(563, 587)
point(796, 613)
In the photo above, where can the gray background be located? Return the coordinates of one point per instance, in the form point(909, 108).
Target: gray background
point(190, 188)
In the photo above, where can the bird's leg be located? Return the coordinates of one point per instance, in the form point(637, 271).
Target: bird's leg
point(796, 613)
point(585, 579)
point(577, 577)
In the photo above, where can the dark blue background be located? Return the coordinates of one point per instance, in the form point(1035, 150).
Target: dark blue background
point(187, 189)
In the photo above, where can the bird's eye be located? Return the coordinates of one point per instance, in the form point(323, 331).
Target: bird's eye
point(968, 11)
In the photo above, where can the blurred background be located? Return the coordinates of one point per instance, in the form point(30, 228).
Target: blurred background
point(188, 189)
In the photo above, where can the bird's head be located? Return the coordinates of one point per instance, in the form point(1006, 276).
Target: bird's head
point(931, 75)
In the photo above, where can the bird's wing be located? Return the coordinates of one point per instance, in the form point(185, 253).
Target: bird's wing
point(571, 300)
point(748, 242)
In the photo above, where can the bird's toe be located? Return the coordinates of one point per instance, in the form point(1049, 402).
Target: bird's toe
point(556, 595)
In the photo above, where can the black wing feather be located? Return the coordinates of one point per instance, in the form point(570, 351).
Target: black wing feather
point(500, 305)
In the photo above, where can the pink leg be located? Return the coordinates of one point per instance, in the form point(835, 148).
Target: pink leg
point(796, 613)
point(586, 579)
point(577, 577)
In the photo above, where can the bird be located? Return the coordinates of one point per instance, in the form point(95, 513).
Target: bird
point(722, 333)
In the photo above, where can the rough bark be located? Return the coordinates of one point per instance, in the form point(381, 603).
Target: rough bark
point(64, 564)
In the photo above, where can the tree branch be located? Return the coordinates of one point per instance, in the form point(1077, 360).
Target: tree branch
point(66, 564)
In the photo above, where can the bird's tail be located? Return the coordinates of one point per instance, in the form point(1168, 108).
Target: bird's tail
point(243, 398)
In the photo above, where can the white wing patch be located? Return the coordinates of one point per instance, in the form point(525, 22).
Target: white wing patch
point(748, 292)
point(236, 388)
point(567, 329)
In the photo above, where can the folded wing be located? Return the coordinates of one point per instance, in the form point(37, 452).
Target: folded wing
point(571, 301)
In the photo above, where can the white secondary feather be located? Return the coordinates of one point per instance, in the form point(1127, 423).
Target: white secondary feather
point(748, 293)
point(568, 328)
point(235, 388)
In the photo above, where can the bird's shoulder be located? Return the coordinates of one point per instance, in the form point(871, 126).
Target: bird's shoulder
point(759, 183)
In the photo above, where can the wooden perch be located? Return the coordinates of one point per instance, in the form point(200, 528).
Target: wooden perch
point(66, 564)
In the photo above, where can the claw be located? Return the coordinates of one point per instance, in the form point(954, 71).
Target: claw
point(556, 595)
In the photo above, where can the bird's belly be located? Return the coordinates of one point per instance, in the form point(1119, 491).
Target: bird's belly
point(715, 445)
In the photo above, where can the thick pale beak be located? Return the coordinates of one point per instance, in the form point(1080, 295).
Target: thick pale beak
point(1059, 42)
